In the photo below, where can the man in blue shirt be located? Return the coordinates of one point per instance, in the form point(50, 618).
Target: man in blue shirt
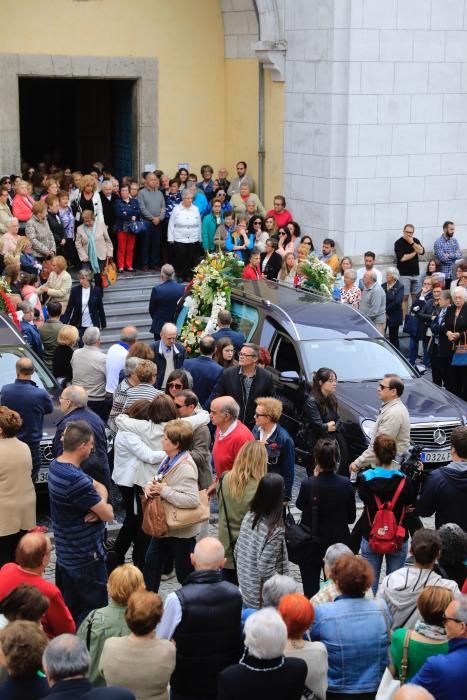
point(224, 321)
point(205, 371)
point(445, 675)
point(447, 250)
point(79, 509)
point(32, 403)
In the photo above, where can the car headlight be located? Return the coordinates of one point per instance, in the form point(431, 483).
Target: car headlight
point(368, 427)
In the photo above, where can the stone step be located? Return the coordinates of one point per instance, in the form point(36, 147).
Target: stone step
point(142, 324)
point(111, 335)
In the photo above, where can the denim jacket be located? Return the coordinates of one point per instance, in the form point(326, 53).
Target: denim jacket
point(281, 456)
point(355, 633)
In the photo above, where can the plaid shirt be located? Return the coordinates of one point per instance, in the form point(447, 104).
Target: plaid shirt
point(447, 251)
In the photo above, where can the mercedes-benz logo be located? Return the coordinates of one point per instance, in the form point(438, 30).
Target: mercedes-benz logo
point(439, 436)
point(47, 453)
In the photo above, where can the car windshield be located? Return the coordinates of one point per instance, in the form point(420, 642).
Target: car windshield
point(8, 358)
point(356, 359)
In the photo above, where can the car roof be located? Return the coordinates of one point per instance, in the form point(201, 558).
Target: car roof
point(305, 315)
point(9, 334)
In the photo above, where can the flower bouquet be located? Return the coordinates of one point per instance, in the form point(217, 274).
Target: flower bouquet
point(209, 294)
point(6, 305)
point(317, 276)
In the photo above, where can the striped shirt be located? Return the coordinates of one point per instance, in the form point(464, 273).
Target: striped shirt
point(72, 495)
point(140, 392)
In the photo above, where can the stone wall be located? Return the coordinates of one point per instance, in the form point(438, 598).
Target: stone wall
point(376, 118)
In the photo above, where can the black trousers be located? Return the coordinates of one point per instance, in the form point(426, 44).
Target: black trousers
point(394, 336)
point(310, 571)
point(440, 368)
point(185, 257)
point(159, 549)
point(131, 533)
point(458, 380)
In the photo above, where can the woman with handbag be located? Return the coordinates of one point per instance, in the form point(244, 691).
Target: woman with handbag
point(85, 307)
point(321, 414)
point(128, 224)
point(260, 551)
point(455, 328)
point(235, 491)
point(327, 502)
point(416, 323)
point(93, 244)
point(176, 483)
point(427, 639)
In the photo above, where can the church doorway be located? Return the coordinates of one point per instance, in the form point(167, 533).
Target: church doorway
point(74, 122)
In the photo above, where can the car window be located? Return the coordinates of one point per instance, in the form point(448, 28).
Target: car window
point(355, 359)
point(283, 355)
point(244, 319)
point(267, 333)
point(8, 359)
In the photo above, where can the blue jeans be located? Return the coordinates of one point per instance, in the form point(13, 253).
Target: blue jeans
point(150, 245)
point(84, 588)
point(158, 551)
point(393, 561)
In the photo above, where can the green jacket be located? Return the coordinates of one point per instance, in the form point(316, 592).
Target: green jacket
point(208, 231)
point(98, 626)
point(236, 511)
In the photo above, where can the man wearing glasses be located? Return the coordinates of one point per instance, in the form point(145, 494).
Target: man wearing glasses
point(168, 354)
point(280, 213)
point(393, 419)
point(445, 676)
point(246, 383)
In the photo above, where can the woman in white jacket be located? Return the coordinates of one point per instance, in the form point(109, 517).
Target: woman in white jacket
point(133, 471)
point(184, 235)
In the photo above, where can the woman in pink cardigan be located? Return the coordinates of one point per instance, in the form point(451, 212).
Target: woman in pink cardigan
point(22, 203)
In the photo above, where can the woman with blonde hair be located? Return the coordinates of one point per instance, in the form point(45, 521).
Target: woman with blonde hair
point(288, 270)
point(67, 339)
point(235, 492)
point(58, 285)
point(22, 203)
point(88, 198)
point(103, 623)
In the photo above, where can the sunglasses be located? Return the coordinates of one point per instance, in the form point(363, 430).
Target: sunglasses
point(261, 415)
point(257, 223)
point(384, 386)
point(175, 385)
point(179, 405)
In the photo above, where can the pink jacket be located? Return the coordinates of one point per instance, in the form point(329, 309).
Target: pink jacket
point(22, 207)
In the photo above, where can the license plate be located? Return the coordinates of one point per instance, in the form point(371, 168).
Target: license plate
point(42, 477)
point(435, 456)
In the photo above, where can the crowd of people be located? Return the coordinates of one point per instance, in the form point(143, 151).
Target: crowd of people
point(199, 442)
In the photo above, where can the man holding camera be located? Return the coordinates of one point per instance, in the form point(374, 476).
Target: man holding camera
point(445, 489)
point(393, 419)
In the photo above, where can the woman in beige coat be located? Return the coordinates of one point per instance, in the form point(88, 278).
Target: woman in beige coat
point(141, 662)
point(176, 482)
point(58, 285)
point(92, 242)
point(17, 495)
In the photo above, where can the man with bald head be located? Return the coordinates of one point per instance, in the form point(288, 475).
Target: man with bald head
point(168, 354)
point(32, 558)
point(32, 403)
point(204, 620)
point(74, 405)
point(230, 436)
point(116, 356)
point(412, 692)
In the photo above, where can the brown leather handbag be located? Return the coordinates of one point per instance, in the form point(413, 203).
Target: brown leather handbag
point(154, 518)
point(178, 518)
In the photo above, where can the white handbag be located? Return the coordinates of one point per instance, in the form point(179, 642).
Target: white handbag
point(388, 686)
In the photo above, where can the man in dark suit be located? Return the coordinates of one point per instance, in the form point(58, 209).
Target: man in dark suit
point(164, 299)
point(205, 371)
point(224, 321)
point(30, 332)
point(246, 383)
point(168, 354)
point(66, 664)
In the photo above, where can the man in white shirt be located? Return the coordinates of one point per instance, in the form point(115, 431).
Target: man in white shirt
point(116, 356)
point(369, 260)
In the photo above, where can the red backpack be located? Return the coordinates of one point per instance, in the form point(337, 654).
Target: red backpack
point(386, 534)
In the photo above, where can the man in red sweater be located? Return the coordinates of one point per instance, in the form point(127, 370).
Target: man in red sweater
point(280, 213)
point(231, 434)
point(32, 556)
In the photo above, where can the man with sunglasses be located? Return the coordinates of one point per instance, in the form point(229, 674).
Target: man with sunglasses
point(168, 354)
point(445, 676)
point(393, 419)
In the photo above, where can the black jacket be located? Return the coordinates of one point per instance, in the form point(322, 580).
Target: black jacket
point(422, 309)
point(56, 227)
point(231, 384)
point(383, 483)
point(394, 299)
point(82, 689)
point(159, 359)
point(443, 346)
point(209, 636)
point(445, 494)
point(108, 210)
point(316, 421)
point(285, 680)
point(74, 313)
point(456, 325)
point(273, 265)
point(336, 507)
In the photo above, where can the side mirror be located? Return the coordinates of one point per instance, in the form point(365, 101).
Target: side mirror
point(290, 377)
point(421, 368)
